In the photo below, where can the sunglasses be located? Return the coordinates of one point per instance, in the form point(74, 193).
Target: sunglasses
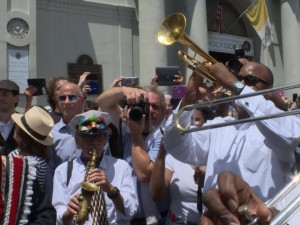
point(251, 80)
point(63, 98)
point(90, 137)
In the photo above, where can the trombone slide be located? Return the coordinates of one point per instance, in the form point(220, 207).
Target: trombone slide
point(184, 130)
point(290, 215)
point(288, 202)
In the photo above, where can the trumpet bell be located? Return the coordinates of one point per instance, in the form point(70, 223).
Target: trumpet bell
point(171, 29)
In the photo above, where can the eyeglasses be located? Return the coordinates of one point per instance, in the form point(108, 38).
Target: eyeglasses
point(72, 98)
point(251, 80)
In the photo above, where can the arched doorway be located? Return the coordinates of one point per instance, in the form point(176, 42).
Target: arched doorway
point(230, 26)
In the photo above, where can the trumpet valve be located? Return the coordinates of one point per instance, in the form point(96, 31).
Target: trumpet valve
point(249, 220)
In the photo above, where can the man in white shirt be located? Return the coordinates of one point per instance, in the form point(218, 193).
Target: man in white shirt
point(112, 175)
point(260, 152)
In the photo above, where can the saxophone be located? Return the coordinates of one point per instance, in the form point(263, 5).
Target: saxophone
point(87, 192)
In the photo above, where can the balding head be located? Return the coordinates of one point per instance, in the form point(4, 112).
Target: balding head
point(260, 71)
point(71, 101)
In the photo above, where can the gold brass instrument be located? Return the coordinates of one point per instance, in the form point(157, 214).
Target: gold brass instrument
point(173, 30)
point(87, 192)
point(188, 129)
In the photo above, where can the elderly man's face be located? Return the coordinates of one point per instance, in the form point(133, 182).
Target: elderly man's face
point(157, 114)
point(71, 101)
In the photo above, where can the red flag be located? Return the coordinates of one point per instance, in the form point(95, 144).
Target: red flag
point(219, 16)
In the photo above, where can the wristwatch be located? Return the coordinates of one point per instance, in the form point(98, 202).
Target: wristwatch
point(115, 193)
point(237, 87)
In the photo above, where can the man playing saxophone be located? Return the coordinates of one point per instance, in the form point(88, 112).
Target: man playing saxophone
point(78, 184)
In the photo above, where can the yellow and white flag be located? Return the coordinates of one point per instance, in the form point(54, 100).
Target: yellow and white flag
point(258, 16)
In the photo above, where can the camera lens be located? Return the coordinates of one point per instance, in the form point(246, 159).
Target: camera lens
point(136, 113)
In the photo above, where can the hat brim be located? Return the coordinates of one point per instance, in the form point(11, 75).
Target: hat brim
point(17, 119)
point(92, 133)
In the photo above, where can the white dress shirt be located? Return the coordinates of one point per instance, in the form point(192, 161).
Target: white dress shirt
point(119, 174)
point(260, 152)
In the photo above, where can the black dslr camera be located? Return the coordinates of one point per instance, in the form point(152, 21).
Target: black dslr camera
point(136, 112)
point(235, 65)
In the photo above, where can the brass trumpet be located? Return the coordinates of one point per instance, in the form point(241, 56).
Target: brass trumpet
point(173, 30)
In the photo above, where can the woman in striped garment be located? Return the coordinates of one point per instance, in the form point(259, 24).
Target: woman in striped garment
point(32, 142)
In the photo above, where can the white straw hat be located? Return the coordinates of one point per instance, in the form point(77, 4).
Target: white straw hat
point(37, 123)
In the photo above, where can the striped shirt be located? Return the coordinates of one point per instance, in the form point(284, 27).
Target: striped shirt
point(41, 168)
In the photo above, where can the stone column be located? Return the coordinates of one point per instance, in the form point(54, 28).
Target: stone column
point(197, 21)
point(18, 42)
point(152, 54)
point(3, 39)
point(290, 26)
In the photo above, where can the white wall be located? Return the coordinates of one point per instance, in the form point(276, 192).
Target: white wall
point(100, 31)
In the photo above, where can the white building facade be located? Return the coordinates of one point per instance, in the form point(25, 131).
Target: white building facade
point(47, 38)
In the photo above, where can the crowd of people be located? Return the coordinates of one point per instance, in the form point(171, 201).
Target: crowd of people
point(120, 159)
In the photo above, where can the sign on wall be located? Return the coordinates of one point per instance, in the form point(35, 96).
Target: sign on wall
point(18, 65)
point(225, 43)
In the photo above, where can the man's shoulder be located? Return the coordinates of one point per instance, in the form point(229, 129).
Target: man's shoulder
point(156, 133)
point(63, 165)
point(60, 128)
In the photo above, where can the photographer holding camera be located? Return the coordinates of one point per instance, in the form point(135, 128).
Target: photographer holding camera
point(138, 124)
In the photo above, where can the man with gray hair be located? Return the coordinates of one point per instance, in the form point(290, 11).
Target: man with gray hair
point(70, 103)
point(139, 125)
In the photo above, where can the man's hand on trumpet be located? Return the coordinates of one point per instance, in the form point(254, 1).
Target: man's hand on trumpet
point(223, 76)
point(222, 204)
point(199, 89)
point(196, 90)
